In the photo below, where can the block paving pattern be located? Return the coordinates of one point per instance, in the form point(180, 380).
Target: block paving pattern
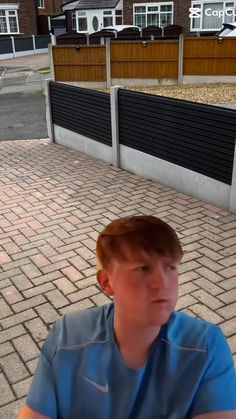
point(53, 203)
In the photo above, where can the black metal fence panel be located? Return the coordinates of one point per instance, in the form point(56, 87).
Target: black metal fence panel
point(24, 44)
point(83, 111)
point(6, 46)
point(42, 41)
point(195, 136)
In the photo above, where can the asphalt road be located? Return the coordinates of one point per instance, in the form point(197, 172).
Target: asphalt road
point(22, 101)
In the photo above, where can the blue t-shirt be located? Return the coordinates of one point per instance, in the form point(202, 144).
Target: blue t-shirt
point(81, 374)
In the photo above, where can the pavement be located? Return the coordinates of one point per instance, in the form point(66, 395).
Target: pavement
point(22, 101)
point(53, 203)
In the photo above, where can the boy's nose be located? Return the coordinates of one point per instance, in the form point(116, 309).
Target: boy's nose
point(158, 279)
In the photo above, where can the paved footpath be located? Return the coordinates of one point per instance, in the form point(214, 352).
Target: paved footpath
point(53, 203)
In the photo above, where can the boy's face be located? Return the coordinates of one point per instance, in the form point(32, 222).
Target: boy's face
point(145, 287)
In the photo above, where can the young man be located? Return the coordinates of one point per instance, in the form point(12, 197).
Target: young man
point(136, 359)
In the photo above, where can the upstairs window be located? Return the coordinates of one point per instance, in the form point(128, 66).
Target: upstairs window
point(41, 4)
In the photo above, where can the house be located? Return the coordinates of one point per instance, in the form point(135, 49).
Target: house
point(199, 17)
point(26, 17)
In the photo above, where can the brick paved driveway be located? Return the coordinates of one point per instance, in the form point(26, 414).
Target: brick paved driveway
point(53, 203)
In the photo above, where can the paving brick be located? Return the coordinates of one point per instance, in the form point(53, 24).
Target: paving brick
point(83, 283)
point(22, 388)
point(39, 260)
point(29, 303)
point(6, 394)
point(205, 313)
point(37, 329)
point(11, 410)
point(228, 297)
point(11, 333)
point(5, 283)
point(56, 298)
point(80, 295)
point(185, 301)
point(229, 272)
point(100, 299)
point(21, 282)
point(64, 285)
point(228, 312)
point(228, 284)
point(32, 365)
point(47, 313)
point(16, 264)
point(79, 263)
point(5, 310)
point(204, 297)
point(72, 273)
point(55, 266)
point(41, 289)
point(11, 294)
point(229, 327)
point(208, 274)
point(18, 318)
point(9, 273)
point(80, 305)
point(188, 266)
point(4, 258)
point(208, 286)
point(232, 344)
point(187, 288)
point(31, 271)
point(26, 347)
point(5, 349)
point(47, 277)
point(13, 368)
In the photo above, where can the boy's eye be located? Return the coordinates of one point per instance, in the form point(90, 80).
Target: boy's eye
point(171, 267)
point(142, 268)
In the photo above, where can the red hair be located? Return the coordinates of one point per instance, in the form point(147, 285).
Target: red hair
point(144, 233)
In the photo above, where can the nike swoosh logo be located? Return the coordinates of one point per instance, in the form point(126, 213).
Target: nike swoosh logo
point(103, 389)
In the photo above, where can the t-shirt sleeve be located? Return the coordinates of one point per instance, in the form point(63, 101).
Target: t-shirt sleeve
point(42, 393)
point(217, 389)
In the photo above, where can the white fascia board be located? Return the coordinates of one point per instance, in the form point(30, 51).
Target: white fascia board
point(9, 6)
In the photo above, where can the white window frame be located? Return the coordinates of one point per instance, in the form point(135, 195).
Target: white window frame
point(202, 3)
point(7, 10)
point(41, 4)
point(158, 4)
point(81, 14)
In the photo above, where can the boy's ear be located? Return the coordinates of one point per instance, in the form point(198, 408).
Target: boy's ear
point(104, 282)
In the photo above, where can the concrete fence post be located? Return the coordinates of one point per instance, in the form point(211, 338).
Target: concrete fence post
point(232, 202)
point(13, 46)
point(49, 119)
point(51, 63)
point(33, 39)
point(108, 62)
point(115, 126)
point(181, 59)
point(87, 39)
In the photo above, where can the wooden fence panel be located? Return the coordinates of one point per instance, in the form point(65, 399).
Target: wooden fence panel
point(210, 57)
point(83, 63)
point(157, 59)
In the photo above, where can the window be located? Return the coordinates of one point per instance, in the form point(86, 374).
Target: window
point(209, 16)
point(119, 17)
point(107, 18)
point(153, 14)
point(82, 22)
point(41, 4)
point(9, 22)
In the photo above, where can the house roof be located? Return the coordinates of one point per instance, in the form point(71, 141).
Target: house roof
point(89, 4)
